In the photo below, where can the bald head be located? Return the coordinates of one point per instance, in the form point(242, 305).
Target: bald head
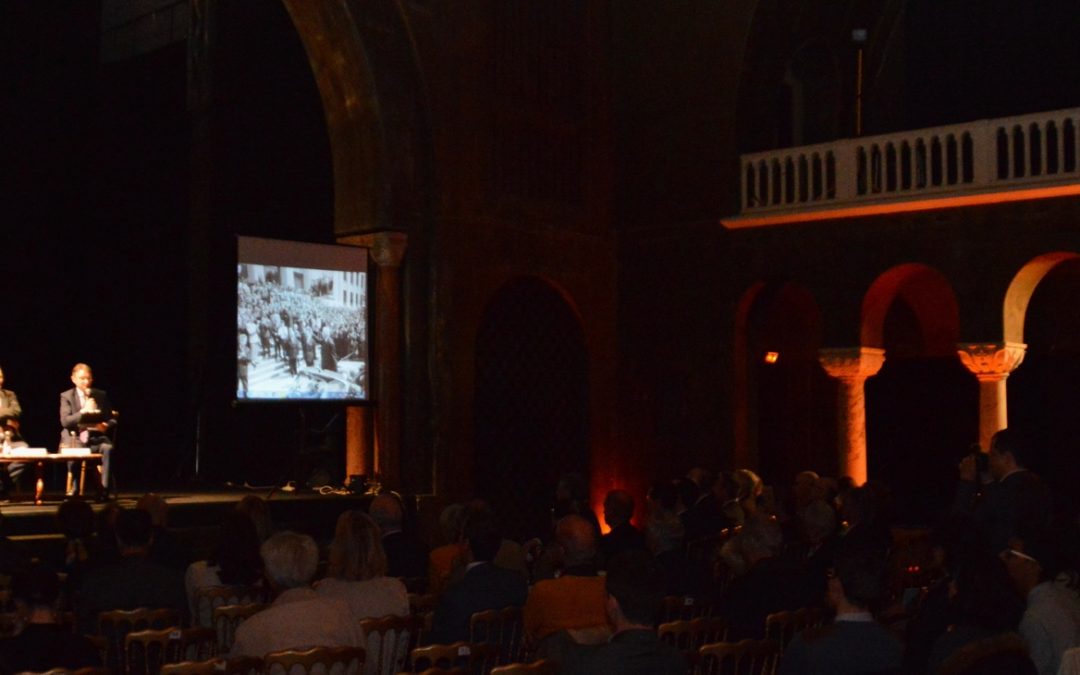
point(386, 511)
point(578, 540)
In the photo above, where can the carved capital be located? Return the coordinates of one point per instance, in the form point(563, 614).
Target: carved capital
point(991, 361)
point(852, 363)
point(387, 249)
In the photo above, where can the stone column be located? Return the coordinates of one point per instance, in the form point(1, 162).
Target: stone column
point(991, 362)
point(852, 365)
point(387, 249)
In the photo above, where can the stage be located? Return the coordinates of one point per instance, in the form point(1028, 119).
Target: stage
point(193, 515)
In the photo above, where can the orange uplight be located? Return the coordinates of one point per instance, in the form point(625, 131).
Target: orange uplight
point(772, 357)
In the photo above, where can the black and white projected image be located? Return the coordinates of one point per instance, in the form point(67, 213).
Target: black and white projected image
point(301, 333)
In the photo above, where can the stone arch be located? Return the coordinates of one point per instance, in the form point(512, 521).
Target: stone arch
point(530, 400)
point(929, 297)
point(778, 425)
point(1022, 287)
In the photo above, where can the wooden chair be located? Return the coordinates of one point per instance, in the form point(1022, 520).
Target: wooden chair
point(147, 650)
point(423, 606)
point(389, 641)
point(206, 599)
point(784, 626)
point(683, 608)
point(440, 671)
point(503, 628)
point(226, 620)
point(541, 667)
point(89, 670)
point(114, 625)
point(315, 661)
point(474, 657)
point(690, 636)
point(238, 665)
point(746, 657)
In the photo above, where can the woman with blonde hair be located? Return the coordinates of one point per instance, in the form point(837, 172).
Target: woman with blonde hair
point(357, 570)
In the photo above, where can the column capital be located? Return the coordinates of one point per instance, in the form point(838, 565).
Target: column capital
point(991, 361)
point(851, 363)
point(387, 249)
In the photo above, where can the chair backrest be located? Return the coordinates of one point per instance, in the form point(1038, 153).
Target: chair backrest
point(206, 599)
point(683, 608)
point(227, 618)
point(441, 671)
point(147, 650)
point(503, 628)
point(746, 657)
point(315, 661)
point(205, 667)
point(89, 670)
point(690, 636)
point(784, 626)
point(388, 642)
point(423, 606)
point(541, 667)
point(115, 624)
point(475, 657)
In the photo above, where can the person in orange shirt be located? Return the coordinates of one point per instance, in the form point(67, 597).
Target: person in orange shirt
point(575, 600)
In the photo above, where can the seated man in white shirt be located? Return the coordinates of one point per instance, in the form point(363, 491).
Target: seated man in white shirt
point(299, 617)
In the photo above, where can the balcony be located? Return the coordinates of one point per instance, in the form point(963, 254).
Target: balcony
point(989, 161)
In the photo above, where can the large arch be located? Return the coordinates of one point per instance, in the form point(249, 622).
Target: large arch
point(530, 400)
point(1017, 298)
point(784, 401)
point(922, 406)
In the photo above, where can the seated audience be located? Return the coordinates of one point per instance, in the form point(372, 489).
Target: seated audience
point(75, 520)
point(405, 554)
point(576, 598)
point(510, 556)
point(257, 508)
point(573, 493)
point(680, 575)
point(441, 559)
point(618, 510)
point(854, 643)
point(1051, 622)
point(134, 580)
point(357, 571)
point(816, 549)
point(984, 612)
point(484, 585)
point(770, 583)
point(235, 561)
point(167, 548)
point(43, 644)
point(633, 596)
point(299, 617)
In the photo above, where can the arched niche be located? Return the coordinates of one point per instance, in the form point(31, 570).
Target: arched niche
point(922, 406)
point(1023, 287)
point(530, 401)
point(784, 401)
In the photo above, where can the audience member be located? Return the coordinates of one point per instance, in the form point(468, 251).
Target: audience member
point(234, 562)
point(133, 581)
point(854, 643)
point(258, 509)
point(1051, 622)
point(618, 510)
point(576, 598)
point(484, 585)
point(634, 592)
point(357, 570)
point(167, 549)
point(441, 559)
point(1016, 501)
point(43, 645)
point(510, 556)
point(680, 574)
point(572, 496)
point(75, 519)
point(299, 617)
point(405, 554)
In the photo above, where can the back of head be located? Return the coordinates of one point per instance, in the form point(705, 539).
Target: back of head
point(1013, 442)
point(451, 520)
point(386, 511)
point(749, 484)
point(482, 534)
point(37, 587)
point(572, 486)
point(237, 553)
point(76, 519)
point(133, 528)
point(687, 492)
point(578, 540)
point(818, 520)
point(664, 531)
point(635, 581)
point(861, 570)
point(663, 495)
point(760, 538)
point(258, 510)
point(290, 559)
point(156, 507)
point(985, 596)
point(618, 507)
point(357, 552)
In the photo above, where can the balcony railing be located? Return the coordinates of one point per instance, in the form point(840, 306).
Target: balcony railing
point(925, 168)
